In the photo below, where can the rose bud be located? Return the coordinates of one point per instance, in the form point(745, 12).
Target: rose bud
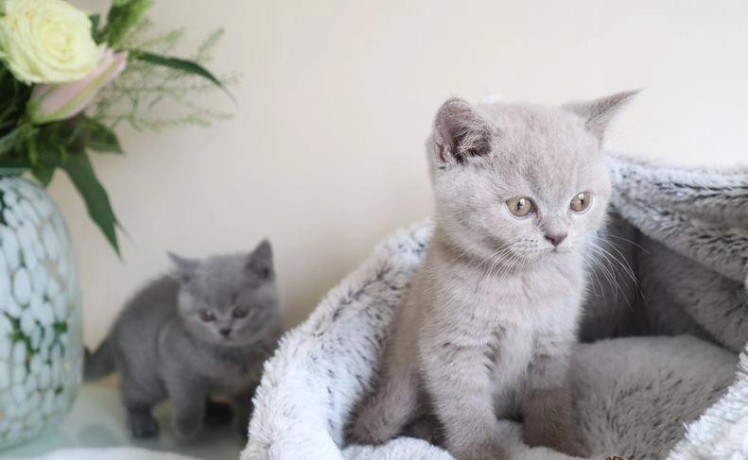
point(62, 101)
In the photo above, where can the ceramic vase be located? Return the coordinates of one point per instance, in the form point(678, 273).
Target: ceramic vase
point(41, 352)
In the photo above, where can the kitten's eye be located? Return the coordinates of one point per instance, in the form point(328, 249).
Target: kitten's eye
point(207, 315)
point(520, 206)
point(241, 311)
point(581, 202)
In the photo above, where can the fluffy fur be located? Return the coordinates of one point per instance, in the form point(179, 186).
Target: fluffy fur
point(721, 432)
point(206, 328)
point(490, 323)
point(673, 217)
point(632, 395)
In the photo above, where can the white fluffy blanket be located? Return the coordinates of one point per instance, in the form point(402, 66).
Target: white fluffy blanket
point(678, 397)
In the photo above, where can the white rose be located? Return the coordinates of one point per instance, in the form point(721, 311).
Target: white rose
point(47, 41)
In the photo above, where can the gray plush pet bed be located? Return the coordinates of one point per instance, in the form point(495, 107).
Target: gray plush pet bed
point(658, 376)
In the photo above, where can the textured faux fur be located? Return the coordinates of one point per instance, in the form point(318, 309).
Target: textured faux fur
point(633, 395)
point(693, 233)
point(721, 433)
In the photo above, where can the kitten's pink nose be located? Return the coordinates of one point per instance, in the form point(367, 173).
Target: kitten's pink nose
point(556, 238)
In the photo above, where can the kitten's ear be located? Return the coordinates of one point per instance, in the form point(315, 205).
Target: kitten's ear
point(186, 267)
point(461, 132)
point(598, 113)
point(260, 261)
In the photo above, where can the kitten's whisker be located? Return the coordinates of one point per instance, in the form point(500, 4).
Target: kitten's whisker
point(628, 241)
point(590, 263)
point(612, 280)
point(623, 262)
point(609, 276)
point(495, 261)
point(626, 268)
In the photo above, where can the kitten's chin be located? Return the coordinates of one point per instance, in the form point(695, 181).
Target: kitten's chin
point(562, 250)
point(235, 343)
point(220, 341)
point(547, 254)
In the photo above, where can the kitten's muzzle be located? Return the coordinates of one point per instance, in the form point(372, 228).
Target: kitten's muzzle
point(226, 331)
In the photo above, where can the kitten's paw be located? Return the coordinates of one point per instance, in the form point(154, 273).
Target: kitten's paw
point(218, 413)
point(143, 426)
point(426, 428)
point(368, 429)
point(187, 427)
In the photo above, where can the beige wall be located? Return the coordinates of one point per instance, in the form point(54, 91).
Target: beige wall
point(325, 154)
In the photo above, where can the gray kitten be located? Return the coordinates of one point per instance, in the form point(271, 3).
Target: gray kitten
point(207, 328)
point(490, 321)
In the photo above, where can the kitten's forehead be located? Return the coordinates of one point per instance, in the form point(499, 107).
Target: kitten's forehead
point(541, 146)
point(538, 131)
point(221, 278)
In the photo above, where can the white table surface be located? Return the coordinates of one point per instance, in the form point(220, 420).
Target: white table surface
point(98, 420)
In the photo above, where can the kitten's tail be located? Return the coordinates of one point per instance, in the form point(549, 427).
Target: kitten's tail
point(100, 363)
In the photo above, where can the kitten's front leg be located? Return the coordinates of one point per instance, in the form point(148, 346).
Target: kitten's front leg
point(459, 385)
point(187, 396)
point(217, 412)
point(244, 407)
point(547, 408)
point(141, 422)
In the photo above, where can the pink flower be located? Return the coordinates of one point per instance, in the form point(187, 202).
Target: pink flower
point(62, 101)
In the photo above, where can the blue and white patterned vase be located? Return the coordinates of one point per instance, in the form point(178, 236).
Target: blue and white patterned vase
point(41, 350)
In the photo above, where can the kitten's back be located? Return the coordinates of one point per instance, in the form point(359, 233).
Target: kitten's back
point(133, 341)
point(151, 307)
point(137, 328)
